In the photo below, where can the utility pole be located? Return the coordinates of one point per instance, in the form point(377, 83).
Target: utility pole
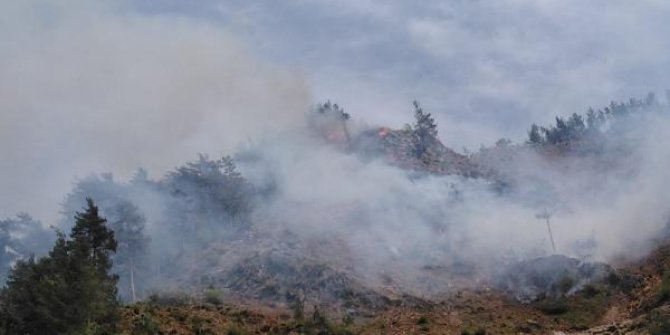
point(546, 216)
point(132, 280)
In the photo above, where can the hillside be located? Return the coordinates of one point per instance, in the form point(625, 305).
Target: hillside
point(346, 228)
point(397, 147)
point(634, 301)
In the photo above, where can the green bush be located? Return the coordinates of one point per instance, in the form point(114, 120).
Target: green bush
point(169, 298)
point(664, 290)
point(590, 291)
point(298, 308)
point(659, 324)
point(200, 326)
point(479, 331)
point(145, 325)
point(422, 322)
point(236, 330)
point(214, 296)
point(553, 306)
point(347, 320)
point(319, 324)
point(565, 284)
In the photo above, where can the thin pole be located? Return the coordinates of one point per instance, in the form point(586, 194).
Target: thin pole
point(132, 279)
point(546, 216)
point(551, 236)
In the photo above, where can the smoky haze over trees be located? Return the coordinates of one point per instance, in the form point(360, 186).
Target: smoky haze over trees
point(20, 238)
point(586, 132)
point(201, 222)
point(130, 259)
point(195, 204)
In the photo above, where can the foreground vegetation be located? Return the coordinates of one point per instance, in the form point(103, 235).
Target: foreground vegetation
point(69, 291)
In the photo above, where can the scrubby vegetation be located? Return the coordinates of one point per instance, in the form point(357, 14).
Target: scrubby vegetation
point(664, 289)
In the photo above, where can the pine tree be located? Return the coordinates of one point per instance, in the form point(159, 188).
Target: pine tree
point(424, 130)
point(534, 136)
point(592, 122)
point(91, 247)
point(70, 291)
point(576, 127)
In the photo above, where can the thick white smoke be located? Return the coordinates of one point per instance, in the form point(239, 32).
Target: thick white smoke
point(91, 87)
point(391, 222)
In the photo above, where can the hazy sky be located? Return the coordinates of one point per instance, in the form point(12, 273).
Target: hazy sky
point(485, 68)
point(88, 86)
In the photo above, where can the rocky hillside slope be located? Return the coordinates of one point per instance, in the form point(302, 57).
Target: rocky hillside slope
point(633, 299)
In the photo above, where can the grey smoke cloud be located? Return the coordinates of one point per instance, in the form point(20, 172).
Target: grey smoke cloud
point(486, 68)
point(94, 87)
point(317, 201)
point(394, 223)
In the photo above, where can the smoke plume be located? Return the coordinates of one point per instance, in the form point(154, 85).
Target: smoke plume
point(95, 87)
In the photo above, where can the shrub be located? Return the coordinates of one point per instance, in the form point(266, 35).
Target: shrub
point(298, 308)
point(565, 284)
point(422, 322)
point(590, 291)
point(214, 296)
point(553, 306)
point(659, 324)
point(347, 320)
point(664, 290)
point(199, 326)
point(169, 298)
point(145, 325)
point(236, 330)
point(319, 324)
point(479, 331)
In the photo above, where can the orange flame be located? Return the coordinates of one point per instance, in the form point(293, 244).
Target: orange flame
point(383, 131)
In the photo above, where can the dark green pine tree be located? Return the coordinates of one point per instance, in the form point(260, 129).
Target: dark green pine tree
point(534, 135)
point(70, 291)
point(91, 247)
point(424, 130)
